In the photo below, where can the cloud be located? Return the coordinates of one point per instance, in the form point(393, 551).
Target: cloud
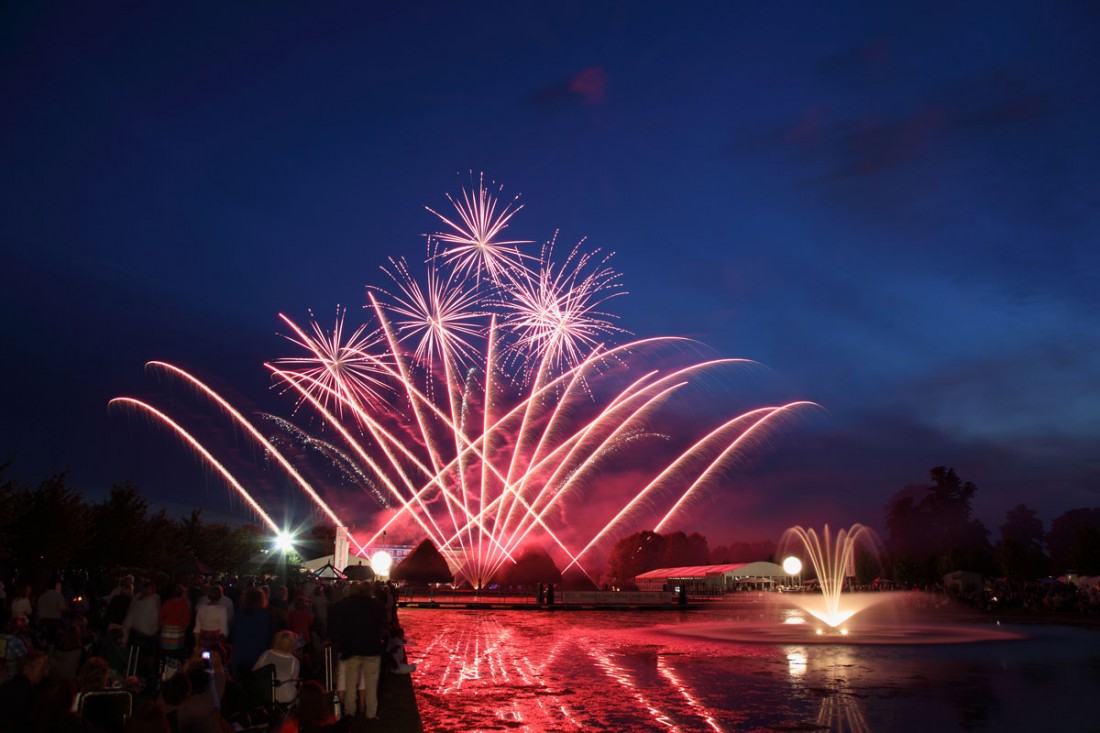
point(587, 87)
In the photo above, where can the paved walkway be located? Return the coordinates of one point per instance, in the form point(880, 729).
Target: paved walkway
point(397, 710)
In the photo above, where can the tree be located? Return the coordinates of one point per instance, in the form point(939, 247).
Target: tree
point(14, 501)
point(634, 555)
point(219, 547)
point(53, 529)
point(683, 550)
point(739, 552)
point(1074, 542)
point(931, 530)
point(1020, 549)
point(119, 536)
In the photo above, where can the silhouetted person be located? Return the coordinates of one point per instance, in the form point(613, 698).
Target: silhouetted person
point(17, 695)
point(358, 624)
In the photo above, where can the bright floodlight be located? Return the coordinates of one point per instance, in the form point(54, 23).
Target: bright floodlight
point(381, 562)
point(792, 565)
point(284, 542)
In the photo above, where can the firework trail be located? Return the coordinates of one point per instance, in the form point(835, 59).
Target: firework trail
point(486, 397)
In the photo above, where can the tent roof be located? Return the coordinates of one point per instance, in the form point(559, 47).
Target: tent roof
point(328, 572)
point(318, 562)
point(691, 571)
point(711, 571)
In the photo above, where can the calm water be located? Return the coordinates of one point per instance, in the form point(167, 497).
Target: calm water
point(634, 671)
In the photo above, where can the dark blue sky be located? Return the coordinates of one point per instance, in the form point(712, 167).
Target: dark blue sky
point(894, 209)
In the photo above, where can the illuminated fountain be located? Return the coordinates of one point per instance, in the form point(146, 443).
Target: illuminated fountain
point(482, 405)
point(833, 561)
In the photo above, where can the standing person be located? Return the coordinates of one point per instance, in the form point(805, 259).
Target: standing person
point(12, 648)
point(227, 603)
point(280, 605)
point(300, 620)
point(175, 615)
point(51, 607)
point(357, 625)
point(21, 604)
point(118, 606)
point(141, 627)
point(211, 619)
point(320, 611)
point(253, 631)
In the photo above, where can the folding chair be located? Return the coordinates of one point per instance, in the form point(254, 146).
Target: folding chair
point(132, 659)
point(332, 670)
point(107, 709)
point(261, 685)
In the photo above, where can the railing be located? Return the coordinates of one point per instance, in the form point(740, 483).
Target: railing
point(450, 597)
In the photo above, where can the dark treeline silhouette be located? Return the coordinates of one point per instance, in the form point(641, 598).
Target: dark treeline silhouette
point(50, 527)
point(930, 531)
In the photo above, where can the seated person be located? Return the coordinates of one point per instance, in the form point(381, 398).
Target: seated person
point(314, 713)
point(281, 655)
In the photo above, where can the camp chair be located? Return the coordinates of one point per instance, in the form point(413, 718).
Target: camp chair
point(261, 685)
point(107, 709)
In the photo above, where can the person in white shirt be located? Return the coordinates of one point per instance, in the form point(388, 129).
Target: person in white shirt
point(281, 656)
point(211, 619)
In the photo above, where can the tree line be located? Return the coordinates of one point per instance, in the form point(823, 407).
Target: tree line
point(50, 526)
point(930, 530)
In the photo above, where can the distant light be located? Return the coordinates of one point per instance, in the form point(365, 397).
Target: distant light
point(792, 565)
point(284, 542)
point(844, 632)
point(381, 562)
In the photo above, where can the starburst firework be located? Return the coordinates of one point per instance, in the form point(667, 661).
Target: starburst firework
point(430, 413)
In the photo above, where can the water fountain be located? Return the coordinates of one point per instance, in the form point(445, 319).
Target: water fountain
point(833, 561)
point(843, 614)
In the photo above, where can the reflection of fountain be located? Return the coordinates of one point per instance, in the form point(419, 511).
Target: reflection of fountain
point(833, 559)
point(841, 713)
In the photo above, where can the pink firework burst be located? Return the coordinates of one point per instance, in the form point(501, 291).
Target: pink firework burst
point(442, 317)
point(343, 372)
point(555, 311)
point(472, 246)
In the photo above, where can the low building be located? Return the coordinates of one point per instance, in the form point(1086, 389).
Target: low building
point(715, 580)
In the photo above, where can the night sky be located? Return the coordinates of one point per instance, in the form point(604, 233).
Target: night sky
point(893, 210)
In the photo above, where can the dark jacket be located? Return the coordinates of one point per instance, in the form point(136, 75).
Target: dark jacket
point(357, 627)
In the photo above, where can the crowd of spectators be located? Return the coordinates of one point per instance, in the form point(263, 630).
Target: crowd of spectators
point(1042, 597)
point(194, 654)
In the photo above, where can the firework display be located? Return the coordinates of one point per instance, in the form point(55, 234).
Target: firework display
point(484, 402)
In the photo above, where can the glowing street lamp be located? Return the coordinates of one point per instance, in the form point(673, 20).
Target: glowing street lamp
point(284, 542)
point(792, 565)
point(380, 563)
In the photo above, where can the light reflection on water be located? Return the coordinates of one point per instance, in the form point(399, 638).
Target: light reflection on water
point(622, 671)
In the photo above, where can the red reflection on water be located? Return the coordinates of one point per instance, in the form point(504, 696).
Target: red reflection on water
point(667, 673)
point(620, 675)
point(629, 672)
